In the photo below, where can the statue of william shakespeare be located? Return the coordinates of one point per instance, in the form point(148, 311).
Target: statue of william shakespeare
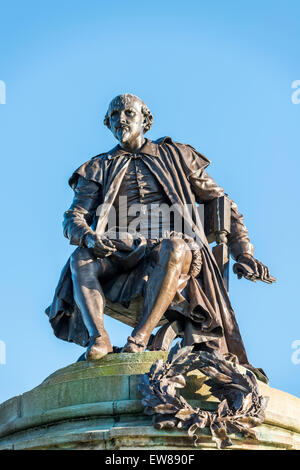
point(143, 252)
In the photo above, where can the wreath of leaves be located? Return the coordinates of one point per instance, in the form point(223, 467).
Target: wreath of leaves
point(241, 407)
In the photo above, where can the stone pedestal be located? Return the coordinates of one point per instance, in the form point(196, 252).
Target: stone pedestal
point(96, 405)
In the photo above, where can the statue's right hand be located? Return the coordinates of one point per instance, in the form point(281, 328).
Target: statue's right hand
point(101, 246)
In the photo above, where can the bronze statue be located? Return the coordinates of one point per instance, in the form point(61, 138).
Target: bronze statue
point(171, 278)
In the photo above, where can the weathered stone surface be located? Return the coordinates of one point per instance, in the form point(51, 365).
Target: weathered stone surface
point(96, 405)
point(112, 364)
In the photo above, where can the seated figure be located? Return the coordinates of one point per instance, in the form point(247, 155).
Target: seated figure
point(129, 247)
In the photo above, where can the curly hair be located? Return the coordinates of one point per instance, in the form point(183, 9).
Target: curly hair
point(125, 99)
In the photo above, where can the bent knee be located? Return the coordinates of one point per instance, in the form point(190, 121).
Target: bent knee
point(80, 257)
point(176, 249)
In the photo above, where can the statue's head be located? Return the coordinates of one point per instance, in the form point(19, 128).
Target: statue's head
point(128, 118)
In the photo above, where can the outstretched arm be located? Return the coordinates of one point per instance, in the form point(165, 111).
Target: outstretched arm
point(205, 189)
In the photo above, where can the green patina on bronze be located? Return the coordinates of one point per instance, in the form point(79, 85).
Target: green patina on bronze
point(97, 405)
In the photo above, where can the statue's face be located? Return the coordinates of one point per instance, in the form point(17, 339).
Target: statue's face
point(127, 121)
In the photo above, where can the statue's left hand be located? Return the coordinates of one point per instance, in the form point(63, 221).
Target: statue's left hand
point(254, 270)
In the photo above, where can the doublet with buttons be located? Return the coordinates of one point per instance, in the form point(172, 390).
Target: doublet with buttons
point(139, 200)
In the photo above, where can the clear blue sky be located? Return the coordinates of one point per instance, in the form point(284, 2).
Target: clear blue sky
point(216, 75)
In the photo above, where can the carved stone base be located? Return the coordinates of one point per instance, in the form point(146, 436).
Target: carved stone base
point(96, 405)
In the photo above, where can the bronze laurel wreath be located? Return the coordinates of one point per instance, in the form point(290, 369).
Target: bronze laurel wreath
point(241, 407)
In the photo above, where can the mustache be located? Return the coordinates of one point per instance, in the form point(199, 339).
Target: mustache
point(122, 126)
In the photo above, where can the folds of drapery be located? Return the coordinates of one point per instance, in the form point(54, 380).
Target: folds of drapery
point(180, 170)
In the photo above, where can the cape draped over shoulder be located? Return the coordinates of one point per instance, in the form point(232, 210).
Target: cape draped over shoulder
point(174, 165)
